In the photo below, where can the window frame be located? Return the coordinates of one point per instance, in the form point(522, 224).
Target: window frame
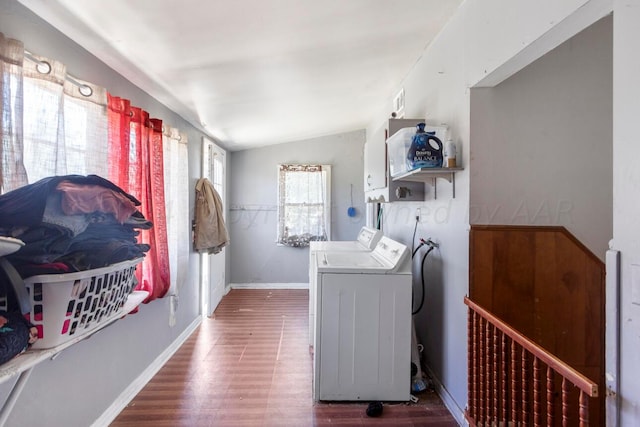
point(281, 206)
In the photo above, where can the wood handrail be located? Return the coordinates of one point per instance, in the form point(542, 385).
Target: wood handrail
point(576, 378)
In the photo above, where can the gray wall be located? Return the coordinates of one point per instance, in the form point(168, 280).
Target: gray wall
point(255, 257)
point(482, 45)
point(626, 199)
point(542, 142)
point(83, 381)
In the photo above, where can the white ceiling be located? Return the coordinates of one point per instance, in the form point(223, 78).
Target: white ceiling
point(258, 72)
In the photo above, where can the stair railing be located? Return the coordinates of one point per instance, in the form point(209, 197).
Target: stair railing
point(507, 385)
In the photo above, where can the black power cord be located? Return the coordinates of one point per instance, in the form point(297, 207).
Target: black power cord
point(432, 245)
point(424, 257)
point(413, 239)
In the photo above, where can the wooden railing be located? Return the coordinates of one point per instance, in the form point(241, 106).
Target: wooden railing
point(515, 382)
point(545, 284)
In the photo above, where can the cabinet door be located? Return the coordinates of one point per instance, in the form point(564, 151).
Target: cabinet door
point(375, 161)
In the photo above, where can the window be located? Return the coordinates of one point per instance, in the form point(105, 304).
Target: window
point(304, 204)
point(218, 170)
point(64, 128)
point(53, 124)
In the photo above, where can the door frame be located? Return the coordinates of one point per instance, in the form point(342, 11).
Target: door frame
point(210, 294)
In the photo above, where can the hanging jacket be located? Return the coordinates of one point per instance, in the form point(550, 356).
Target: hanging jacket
point(210, 233)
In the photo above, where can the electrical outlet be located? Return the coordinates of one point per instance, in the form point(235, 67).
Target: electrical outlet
point(433, 242)
point(418, 214)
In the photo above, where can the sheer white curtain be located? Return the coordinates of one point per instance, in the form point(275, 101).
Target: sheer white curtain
point(52, 123)
point(12, 171)
point(304, 204)
point(65, 122)
point(176, 182)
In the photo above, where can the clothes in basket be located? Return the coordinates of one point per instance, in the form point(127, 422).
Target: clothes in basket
point(73, 221)
point(78, 231)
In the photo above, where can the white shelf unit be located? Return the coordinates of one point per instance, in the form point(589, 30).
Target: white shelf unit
point(379, 186)
point(431, 175)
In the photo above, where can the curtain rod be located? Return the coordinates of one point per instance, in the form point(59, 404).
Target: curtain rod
point(44, 67)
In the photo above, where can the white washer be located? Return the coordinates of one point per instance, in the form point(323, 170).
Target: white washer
point(362, 348)
point(365, 242)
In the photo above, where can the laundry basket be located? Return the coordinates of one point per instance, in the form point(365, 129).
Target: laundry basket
point(69, 305)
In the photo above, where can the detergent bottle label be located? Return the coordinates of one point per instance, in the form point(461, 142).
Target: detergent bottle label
point(425, 150)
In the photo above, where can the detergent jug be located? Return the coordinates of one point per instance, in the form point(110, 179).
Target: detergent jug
point(425, 150)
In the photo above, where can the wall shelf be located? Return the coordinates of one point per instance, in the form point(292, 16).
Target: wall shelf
point(431, 174)
point(378, 183)
point(23, 364)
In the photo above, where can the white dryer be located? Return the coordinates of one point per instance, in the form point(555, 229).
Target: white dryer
point(367, 239)
point(362, 348)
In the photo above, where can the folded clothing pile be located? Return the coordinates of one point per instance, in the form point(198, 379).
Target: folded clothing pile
point(71, 223)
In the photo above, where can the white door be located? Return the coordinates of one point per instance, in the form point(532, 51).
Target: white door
point(213, 266)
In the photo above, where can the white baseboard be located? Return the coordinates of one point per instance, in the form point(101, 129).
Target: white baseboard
point(269, 285)
point(138, 384)
point(448, 400)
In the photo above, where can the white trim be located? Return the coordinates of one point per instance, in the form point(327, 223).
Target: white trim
point(612, 337)
point(269, 285)
point(327, 200)
point(138, 384)
point(447, 399)
point(212, 269)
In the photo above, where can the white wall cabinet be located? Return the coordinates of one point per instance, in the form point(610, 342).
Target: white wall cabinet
point(378, 185)
point(375, 161)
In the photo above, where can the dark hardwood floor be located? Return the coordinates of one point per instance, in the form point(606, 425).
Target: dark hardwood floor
point(250, 365)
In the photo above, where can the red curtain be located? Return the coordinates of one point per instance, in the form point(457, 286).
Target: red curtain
point(136, 166)
point(119, 114)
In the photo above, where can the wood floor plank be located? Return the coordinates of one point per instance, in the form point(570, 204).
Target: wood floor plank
point(250, 365)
